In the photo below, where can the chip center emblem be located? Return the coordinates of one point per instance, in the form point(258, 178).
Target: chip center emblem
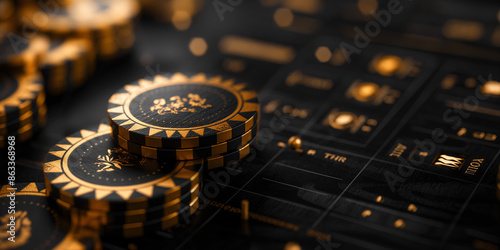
point(183, 106)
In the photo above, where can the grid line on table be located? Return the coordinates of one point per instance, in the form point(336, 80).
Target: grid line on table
point(216, 212)
point(339, 216)
point(307, 171)
point(294, 186)
point(428, 172)
point(309, 124)
point(464, 206)
point(416, 105)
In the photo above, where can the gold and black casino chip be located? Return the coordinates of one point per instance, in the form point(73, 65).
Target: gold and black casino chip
point(21, 55)
point(36, 225)
point(176, 111)
point(131, 216)
point(67, 65)
point(88, 171)
point(107, 23)
point(187, 153)
point(19, 94)
point(139, 229)
point(37, 116)
point(226, 159)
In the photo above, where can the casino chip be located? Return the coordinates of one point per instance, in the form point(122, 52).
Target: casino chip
point(187, 153)
point(20, 54)
point(37, 225)
point(88, 171)
point(139, 229)
point(22, 106)
point(67, 64)
point(183, 112)
point(107, 23)
point(132, 216)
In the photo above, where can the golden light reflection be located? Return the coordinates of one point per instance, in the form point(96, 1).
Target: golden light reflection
point(283, 17)
point(198, 46)
point(181, 20)
point(399, 223)
point(341, 120)
point(366, 7)
point(323, 54)
point(387, 65)
point(366, 213)
point(365, 91)
point(463, 30)
point(491, 88)
point(412, 208)
point(292, 246)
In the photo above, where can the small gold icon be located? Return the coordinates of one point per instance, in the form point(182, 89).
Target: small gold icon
point(373, 93)
point(399, 223)
point(344, 120)
point(178, 104)
point(364, 91)
point(491, 88)
point(366, 213)
point(295, 143)
point(387, 65)
point(245, 206)
point(449, 161)
point(412, 208)
point(341, 120)
point(391, 65)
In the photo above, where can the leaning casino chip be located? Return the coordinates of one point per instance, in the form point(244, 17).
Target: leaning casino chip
point(22, 55)
point(88, 171)
point(19, 94)
point(108, 23)
point(37, 225)
point(67, 64)
point(183, 112)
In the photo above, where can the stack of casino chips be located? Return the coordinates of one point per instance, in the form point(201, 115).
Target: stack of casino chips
point(142, 171)
point(22, 107)
point(37, 225)
point(101, 186)
point(53, 48)
point(197, 119)
point(82, 33)
point(64, 39)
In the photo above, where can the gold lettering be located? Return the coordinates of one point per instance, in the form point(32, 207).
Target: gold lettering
point(335, 158)
point(474, 166)
point(398, 150)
